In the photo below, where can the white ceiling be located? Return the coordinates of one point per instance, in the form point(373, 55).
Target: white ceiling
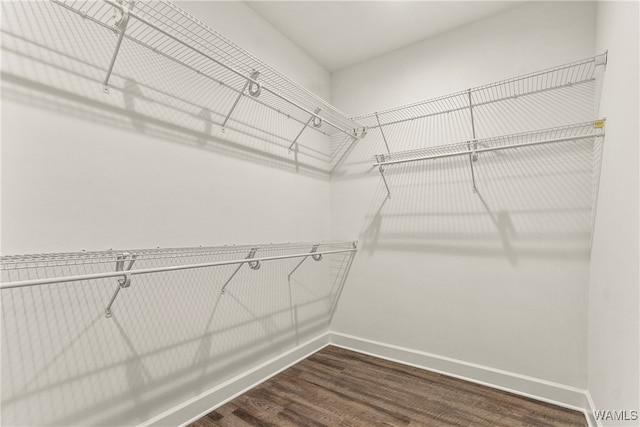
point(338, 34)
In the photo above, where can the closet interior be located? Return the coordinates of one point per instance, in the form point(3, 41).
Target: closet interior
point(163, 336)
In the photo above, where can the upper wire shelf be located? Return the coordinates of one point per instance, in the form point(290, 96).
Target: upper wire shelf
point(571, 74)
point(167, 30)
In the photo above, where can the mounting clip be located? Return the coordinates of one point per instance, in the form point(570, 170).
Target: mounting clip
point(254, 87)
point(255, 265)
point(315, 256)
point(474, 149)
point(122, 283)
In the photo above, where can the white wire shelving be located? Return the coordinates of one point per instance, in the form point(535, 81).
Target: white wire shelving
point(475, 100)
point(22, 271)
point(563, 76)
point(170, 32)
point(585, 132)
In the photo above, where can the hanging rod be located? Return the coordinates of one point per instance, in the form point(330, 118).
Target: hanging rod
point(597, 125)
point(563, 76)
point(127, 275)
point(183, 31)
point(483, 150)
point(473, 148)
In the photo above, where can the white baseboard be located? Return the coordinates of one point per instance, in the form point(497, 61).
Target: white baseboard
point(208, 401)
point(591, 408)
point(535, 388)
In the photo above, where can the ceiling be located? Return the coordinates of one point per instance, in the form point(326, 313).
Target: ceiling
point(338, 34)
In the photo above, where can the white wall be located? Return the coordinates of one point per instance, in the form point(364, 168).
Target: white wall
point(139, 169)
point(614, 376)
point(499, 278)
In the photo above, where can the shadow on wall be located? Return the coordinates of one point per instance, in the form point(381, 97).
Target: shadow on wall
point(173, 335)
point(536, 201)
point(533, 202)
point(53, 59)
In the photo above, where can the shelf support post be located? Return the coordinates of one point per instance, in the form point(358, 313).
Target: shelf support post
point(380, 159)
point(254, 76)
point(473, 156)
point(316, 257)
point(382, 132)
point(121, 26)
point(255, 265)
point(122, 283)
point(317, 122)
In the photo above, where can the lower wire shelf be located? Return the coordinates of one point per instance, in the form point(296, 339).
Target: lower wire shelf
point(586, 131)
point(175, 259)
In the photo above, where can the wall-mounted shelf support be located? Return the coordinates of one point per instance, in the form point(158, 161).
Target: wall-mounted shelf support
point(473, 145)
point(380, 158)
point(254, 76)
point(315, 120)
point(384, 138)
point(124, 282)
point(312, 254)
point(255, 265)
point(121, 27)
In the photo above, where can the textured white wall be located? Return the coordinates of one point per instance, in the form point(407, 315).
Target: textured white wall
point(614, 376)
point(138, 169)
point(499, 278)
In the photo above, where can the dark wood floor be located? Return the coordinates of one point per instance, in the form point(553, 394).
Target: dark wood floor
point(337, 387)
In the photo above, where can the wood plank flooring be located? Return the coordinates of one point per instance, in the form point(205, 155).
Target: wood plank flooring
point(337, 387)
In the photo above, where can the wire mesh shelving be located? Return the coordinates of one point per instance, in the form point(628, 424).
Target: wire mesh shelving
point(22, 271)
point(171, 33)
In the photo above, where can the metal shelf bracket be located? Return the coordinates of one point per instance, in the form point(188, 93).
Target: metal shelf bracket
point(254, 76)
point(384, 138)
point(473, 145)
point(121, 27)
point(313, 254)
point(380, 159)
point(254, 265)
point(316, 122)
point(122, 283)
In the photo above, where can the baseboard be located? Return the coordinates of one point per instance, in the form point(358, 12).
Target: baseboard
point(208, 401)
point(591, 409)
point(535, 388)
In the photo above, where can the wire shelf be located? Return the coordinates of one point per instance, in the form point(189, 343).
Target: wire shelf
point(21, 271)
point(579, 131)
point(165, 29)
point(563, 76)
point(587, 131)
point(175, 256)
